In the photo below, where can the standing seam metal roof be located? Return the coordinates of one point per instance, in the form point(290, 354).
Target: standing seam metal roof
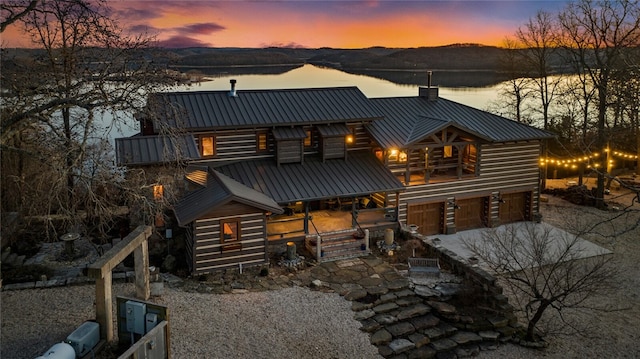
point(138, 150)
point(218, 110)
point(409, 118)
point(219, 191)
point(361, 174)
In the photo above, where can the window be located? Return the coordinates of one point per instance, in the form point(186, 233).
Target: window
point(448, 151)
point(158, 192)
point(207, 145)
point(308, 141)
point(230, 235)
point(261, 142)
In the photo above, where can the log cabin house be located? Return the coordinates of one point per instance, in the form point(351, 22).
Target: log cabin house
point(323, 166)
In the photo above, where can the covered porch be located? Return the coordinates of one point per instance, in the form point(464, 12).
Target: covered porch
point(299, 224)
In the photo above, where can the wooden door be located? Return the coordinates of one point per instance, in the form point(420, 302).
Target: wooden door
point(470, 213)
point(429, 217)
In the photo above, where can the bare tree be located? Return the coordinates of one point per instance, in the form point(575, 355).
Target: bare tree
point(14, 11)
point(517, 89)
point(59, 102)
point(544, 271)
point(601, 36)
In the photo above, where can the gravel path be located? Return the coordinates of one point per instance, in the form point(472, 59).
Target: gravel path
point(289, 323)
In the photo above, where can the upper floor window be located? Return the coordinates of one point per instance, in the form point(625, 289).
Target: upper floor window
point(207, 145)
point(308, 141)
point(447, 151)
point(158, 192)
point(262, 144)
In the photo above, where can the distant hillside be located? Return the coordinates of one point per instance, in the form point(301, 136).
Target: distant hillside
point(453, 57)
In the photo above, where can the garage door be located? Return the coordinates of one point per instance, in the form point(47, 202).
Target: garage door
point(470, 214)
point(429, 217)
point(515, 207)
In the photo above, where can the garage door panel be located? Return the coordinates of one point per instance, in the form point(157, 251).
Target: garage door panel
point(514, 207)
point(470, 214)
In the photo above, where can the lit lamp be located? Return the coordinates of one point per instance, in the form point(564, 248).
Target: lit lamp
point(349, 139)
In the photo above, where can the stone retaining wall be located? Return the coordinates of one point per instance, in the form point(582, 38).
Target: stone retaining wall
point(483, 283)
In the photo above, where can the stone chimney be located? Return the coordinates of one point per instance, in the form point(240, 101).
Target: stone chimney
point(429, 92)
point(233, 93)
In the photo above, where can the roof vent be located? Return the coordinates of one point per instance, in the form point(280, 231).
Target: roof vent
point(233, 93)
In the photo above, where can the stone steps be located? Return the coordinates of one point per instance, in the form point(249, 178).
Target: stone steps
point(403, 324)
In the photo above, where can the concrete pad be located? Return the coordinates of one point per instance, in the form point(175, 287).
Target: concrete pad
point(580, 249)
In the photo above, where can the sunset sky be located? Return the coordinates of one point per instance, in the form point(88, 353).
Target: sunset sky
point(313, 24)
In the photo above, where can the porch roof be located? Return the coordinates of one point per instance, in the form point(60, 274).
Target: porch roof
point(359, 175)
point(145, 150)
point(220, 190)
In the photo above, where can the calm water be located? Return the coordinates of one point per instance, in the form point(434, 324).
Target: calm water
point(309, 76)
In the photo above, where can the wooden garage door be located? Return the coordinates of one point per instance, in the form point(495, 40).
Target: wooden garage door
point(429, 217)
point(470, 214)
point(515, 207)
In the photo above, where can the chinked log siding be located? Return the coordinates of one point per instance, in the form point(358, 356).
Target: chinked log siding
point(506, 167)
point(209, 253)
point(238, 145)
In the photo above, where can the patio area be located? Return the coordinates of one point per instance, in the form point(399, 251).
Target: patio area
point(559, 241)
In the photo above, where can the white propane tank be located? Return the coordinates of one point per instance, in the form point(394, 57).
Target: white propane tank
point(59, 351)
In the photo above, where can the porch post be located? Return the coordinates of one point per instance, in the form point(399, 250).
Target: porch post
point(354, 213)
point(407, 171)
point(306, 218)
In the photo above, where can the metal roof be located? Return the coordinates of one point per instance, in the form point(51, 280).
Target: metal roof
point(143, 150)
point(359, 175)
point(197, 174)
point(219, 191)
point(409, 119)
point(333, 130)
point(288, 133)
point(217, 110)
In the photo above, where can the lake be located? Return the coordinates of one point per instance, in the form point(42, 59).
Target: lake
point(310, 76)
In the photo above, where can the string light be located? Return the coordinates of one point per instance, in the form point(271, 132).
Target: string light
point(572, 161)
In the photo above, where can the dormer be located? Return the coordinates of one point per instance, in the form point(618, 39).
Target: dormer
point(333, 140)
point(289, 144)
